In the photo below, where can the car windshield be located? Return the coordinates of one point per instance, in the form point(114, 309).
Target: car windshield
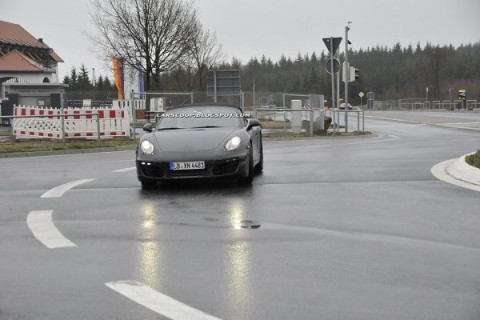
point(201, 117)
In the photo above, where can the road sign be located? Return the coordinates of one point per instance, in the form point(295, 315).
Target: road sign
point(361, 94)
point(336, 65)
point(462, 94)
point(87, 102)
point(223, 83)
point(332, 44)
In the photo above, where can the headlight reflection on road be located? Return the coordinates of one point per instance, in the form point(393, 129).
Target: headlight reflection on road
point(236, 213)
point(149, 268)
point(238, 264)
point(238, 272)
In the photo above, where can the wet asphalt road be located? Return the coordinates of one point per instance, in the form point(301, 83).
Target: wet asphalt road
point(354, 228)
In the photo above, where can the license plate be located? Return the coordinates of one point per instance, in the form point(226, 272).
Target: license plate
point(191, 165)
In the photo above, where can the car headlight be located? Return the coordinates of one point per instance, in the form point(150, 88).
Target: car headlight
point(146, 147)
point(233, 143)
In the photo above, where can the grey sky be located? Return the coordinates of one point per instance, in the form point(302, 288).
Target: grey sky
point(251, 28)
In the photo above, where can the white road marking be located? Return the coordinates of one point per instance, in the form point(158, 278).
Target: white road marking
point(42, 227)
point(158, 302)
point(126, 169)
point(57, 192)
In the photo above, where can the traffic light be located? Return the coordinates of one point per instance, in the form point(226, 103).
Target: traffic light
point(354, 74)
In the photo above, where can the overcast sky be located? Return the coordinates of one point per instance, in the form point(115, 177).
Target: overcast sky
point(252, 28)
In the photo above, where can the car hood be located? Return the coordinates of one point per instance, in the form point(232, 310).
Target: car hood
point(192, 139)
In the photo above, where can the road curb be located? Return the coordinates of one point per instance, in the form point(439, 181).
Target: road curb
point(462, 171)
point(459, 173)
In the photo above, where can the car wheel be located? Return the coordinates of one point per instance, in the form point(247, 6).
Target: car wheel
point(259, 166)
point(249, 178)
point(148, 184)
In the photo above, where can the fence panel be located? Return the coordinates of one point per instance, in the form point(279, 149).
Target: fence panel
point(77, 123)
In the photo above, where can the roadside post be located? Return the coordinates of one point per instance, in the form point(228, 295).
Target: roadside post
point(370, 100)
point(63, 124)
point(462, 96)
point(332, 66)
point(296, 116)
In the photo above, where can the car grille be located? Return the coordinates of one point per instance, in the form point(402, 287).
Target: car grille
point(225, 168)
point(188, 173)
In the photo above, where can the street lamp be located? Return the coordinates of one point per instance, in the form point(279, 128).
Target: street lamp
point(347, 73)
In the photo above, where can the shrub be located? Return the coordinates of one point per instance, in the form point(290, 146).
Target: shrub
point(474, 159)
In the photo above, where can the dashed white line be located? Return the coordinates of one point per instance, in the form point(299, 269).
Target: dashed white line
point(158, 302)
point(42, 227)
point(57, 192)
point(125, 170)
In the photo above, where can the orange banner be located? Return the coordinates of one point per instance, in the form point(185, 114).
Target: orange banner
point(118, 76)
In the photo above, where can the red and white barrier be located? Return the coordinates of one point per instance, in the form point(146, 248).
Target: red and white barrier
point(78, 123)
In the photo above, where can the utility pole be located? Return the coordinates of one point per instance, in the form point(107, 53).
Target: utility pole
point(254, 93)
point(332, 53)
point(347, 74)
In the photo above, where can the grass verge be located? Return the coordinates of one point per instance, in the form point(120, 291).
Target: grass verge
point(276, 125)
point(474, 159)
point(48, 145)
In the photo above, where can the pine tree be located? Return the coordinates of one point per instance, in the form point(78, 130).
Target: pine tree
point(108, 85)
point(84, 83)
point(100, 85)
point(73, 78)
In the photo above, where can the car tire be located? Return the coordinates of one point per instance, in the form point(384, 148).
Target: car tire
point(148, 184)
point(259, 166)
point(247, 180)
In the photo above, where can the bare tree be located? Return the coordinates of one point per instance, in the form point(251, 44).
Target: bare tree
point(205, 54)
point(153, 35)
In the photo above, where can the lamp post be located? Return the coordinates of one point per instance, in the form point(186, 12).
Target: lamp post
point(347, 74)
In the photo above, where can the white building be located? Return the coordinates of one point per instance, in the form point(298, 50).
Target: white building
point(28, 70)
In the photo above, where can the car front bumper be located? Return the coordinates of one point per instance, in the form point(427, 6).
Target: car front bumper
point(224, 168)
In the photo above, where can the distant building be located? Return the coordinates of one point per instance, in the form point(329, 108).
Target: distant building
point(28, 70)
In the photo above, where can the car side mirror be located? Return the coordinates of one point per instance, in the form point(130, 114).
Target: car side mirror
point(147, 127)
point(252, 123)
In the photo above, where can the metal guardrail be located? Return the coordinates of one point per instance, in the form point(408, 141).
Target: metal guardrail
point(419, 104)
point(284, 111)
point(336, 117)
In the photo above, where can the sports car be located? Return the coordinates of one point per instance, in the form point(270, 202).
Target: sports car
point(200, 141)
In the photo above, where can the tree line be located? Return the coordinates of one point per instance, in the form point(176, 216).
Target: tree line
point(391, 73)
point(80, 81)
point(167, 42)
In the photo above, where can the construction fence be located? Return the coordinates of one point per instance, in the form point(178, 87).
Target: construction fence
point(33, 122)
point(98, 115)
point(246, 99)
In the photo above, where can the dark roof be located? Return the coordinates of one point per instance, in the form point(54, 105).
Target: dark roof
point(11, 33)
point(16, 61)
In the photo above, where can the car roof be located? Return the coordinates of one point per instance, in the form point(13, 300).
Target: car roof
point(194, 105)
